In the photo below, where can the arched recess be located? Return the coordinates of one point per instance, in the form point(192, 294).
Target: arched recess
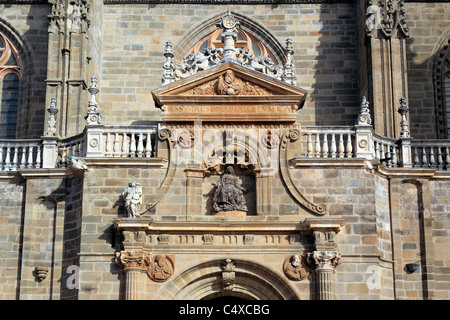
point(26, 74)
point(207, 26)
point(441, 82)
point(253, 281)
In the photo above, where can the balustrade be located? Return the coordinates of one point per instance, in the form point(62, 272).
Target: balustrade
point(386, 151)
point(322, 142)
point(431, 154)
point(20, 154)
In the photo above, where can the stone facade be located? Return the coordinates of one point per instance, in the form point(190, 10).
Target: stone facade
point(344, 198)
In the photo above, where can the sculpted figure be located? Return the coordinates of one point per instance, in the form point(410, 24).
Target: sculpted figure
point(133, 198)
point(293, 268)
point(229, 194)
point(160, 269)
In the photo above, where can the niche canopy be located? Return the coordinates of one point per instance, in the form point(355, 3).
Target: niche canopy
point(229, 84)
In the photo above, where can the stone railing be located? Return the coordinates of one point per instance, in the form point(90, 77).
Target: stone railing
point(386, 151)
point(71, 147)
point(328, 142)
point(431, 154)
point(139, 141)
point(133, 141)
point(20, 154)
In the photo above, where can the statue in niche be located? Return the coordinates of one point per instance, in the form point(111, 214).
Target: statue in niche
point(133, 199)
point(229, 194)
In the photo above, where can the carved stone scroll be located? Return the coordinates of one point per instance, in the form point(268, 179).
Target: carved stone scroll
point(293, 135)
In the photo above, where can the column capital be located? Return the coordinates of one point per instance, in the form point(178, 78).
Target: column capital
point(326, 261)
point(132, 260)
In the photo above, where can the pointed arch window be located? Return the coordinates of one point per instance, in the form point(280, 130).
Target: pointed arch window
point(10, 75)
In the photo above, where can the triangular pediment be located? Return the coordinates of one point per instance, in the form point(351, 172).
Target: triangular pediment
point(226, 89)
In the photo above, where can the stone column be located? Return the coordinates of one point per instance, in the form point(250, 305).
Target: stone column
point(133, 264)
point(325, 263)
point(386, 32)
point(325, 257)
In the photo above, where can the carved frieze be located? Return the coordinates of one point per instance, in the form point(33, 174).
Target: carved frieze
point(385, 17)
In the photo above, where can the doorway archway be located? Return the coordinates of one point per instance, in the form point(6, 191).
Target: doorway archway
point(253, 281)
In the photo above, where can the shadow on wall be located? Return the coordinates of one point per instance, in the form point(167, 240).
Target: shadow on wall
point(334, 92)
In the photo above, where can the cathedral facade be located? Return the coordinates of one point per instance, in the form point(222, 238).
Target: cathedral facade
point(194, 150)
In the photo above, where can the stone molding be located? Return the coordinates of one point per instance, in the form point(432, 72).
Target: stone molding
point(219, 2)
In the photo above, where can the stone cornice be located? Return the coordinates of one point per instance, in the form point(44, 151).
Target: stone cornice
point(224, 2)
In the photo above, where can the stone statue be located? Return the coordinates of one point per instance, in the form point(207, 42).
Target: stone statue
point(229, 194)
point(133, 198)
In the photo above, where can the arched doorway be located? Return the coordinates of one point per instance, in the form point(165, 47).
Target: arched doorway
point(252, 281)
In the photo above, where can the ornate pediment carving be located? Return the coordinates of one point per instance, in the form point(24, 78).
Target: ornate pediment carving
point(229, 92)
point(229, 84)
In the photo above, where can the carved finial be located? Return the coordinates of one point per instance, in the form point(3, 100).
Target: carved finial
point(364, 113)
point(403, 110)
point(52, 110)
point(93, 114)
point(289, 73)
point(230, 25)
point(169, 72)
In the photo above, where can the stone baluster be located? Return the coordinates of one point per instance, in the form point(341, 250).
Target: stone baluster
point(14, 165)
point(38, 158)
point(333, 145)
point(341, 147)
point(132, 146)
point(317, 145)
point(125, 145)
point(440, 160)
point(116, 152)
point(140, 145)
point(8, 158)
point(133, 264)
point(309, 146)
point(23, 163)
point(30, 157)
point(447, 157)
point(349, 147)
point(416, 157)
point(432, 159)
point(108, 146)
point(424, 157)
point(325, 146)
point(148, 146)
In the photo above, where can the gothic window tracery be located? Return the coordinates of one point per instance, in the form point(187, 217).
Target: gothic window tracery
point(245, 41)
point(10, 75)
